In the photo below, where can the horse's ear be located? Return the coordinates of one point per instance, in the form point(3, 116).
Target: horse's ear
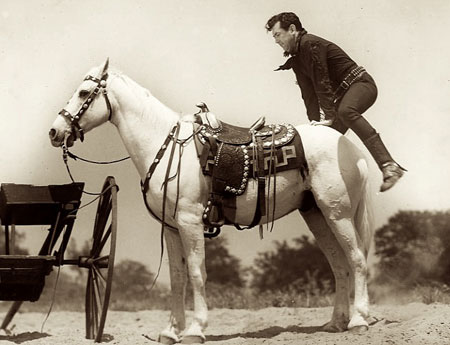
point(105, 66)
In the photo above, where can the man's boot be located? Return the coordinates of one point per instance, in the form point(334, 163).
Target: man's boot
point(390, 169)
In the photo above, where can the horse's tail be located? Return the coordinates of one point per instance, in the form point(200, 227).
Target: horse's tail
point(364, 215)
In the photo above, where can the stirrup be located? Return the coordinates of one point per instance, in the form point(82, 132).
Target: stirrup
point(213, 216)
point(211, 232)
point(392, 172)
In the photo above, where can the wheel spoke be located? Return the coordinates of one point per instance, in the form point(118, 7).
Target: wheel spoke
point(94, 307)
point(101, 244)
point(99, 294)
point(101, 219)
point(99, 215)
point(106, 237)
point(100, 275)
point(101, 258)
point(89, 324)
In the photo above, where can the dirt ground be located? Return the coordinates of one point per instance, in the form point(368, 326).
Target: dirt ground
point(402, 324)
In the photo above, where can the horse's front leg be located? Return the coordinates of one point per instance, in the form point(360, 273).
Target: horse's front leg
point(178, 280)
point(191, 232)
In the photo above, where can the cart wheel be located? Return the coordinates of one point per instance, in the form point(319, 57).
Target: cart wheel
point(101, 261)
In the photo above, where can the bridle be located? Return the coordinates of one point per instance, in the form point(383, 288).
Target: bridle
point(76, 129)
point(74, 119)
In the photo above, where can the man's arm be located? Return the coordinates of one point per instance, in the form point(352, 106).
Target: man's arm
point(321, 80)
point(309, 97)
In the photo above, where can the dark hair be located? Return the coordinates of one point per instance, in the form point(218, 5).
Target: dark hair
point(285, 19)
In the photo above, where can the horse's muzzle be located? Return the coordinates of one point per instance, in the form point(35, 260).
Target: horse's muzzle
point(52, 134)
point(57, 138)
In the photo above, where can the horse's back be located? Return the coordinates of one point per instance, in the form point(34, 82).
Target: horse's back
point(324, 146)
point(317, 139)
point(337, 168)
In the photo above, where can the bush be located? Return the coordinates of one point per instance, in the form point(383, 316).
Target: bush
point(302, 267)
point(250, 298)
point(413, 248)
point(432, 293)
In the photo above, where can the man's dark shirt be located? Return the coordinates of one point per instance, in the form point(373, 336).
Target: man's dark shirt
point(320, 66)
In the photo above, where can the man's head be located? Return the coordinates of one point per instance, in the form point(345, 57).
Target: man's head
point(285, 28)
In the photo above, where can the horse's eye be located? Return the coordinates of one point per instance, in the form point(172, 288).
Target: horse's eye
point(83, 93)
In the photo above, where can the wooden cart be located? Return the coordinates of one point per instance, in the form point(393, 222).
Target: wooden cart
point(22, 277)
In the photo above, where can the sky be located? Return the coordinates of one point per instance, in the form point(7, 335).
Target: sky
point(218, 52)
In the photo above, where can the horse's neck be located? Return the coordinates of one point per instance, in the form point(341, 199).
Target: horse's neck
point(143, 123)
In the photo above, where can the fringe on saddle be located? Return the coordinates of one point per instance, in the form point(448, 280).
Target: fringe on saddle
point(232, 156)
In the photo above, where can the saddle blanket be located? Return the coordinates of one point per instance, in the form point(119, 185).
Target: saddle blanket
point(235, 163)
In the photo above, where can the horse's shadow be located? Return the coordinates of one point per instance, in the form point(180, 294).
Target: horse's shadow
point(24, 337)
point(266, 333)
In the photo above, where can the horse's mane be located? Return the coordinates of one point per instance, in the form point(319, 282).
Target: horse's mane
point(127, 80)
point(139, 90)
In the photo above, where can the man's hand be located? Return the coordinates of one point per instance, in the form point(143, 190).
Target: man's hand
point(322, 123)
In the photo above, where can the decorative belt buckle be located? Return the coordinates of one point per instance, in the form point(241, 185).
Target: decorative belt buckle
point(345, 85)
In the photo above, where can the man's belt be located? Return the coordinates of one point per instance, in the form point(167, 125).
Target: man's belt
point(353, 76)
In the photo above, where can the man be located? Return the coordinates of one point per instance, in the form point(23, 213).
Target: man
point(336, 91)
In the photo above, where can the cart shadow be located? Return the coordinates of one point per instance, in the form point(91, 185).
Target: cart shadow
point(29, 336)
point(266, 333)
point(23, 337)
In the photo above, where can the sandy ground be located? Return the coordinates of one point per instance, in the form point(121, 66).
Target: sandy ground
point(408, 324)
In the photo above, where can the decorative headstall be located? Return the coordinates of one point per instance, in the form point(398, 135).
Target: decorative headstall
point(74, 119)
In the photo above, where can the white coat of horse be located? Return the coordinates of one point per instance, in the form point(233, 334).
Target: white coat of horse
point(338, 179)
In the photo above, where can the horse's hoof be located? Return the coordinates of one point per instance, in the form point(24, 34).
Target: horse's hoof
point(359, 329)
point(333, 328)
point(192, 339)
point(166, 340)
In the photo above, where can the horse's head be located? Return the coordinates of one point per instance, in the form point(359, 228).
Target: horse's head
point(88, 108)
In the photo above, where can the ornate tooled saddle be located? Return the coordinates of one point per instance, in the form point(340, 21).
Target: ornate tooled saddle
point(233, 155)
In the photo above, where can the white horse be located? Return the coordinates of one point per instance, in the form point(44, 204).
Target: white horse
point(338, 179)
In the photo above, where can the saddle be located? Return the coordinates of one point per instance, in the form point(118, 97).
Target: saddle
point(233, 155)
point(225, 132)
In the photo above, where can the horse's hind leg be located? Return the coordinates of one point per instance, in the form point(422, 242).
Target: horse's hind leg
point(338, 262)
point(345, 232)
point(178, 280)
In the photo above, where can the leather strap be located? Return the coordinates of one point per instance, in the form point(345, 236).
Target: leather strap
point(145, 184)
point(353, 76)
point(258, 160)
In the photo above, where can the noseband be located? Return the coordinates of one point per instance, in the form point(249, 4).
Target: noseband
point(74, 119)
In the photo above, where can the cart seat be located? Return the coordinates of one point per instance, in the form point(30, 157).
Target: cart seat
point(22, 277)
point(23, 204)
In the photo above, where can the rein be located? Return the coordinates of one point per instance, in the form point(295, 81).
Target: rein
point(65, 155)
point(75, 157)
